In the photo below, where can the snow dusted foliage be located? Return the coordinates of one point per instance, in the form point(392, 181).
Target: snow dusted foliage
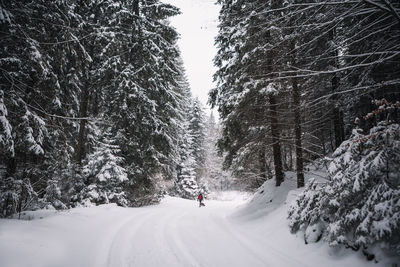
point(247, 101)
point(197, 132)
point(30, 133)
point(9, 196)
point(139, 76)
point(185, 181)
point(6, 140)
point(187, 186)
point(53, 195)
point(307, 208)
point(32, 80)
point(118, 58)
point(104, 174)
point(16, 195)
point(103, 164)
point(190, 154)
point(360, 205)
point(215, 178)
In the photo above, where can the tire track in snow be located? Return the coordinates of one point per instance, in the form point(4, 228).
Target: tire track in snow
point(223, 225)
point(172, 236)
point(155, 249)
point(259, 248)
point(179, 234)
point(217, 246)
point(118, 240)
point(149, 239)
point(165, 242)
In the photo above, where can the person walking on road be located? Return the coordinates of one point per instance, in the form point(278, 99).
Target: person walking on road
point(200, 199)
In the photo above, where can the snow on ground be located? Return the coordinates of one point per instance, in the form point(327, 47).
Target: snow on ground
point(175, 233)
point(238, 196)
point(264, 216)
point(269, 197)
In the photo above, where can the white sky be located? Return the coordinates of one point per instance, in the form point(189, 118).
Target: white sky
point(197, 26)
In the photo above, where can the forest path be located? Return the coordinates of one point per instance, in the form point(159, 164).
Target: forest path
point(172, 234)
point(179, 233)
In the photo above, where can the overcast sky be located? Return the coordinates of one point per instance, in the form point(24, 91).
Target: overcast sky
point(197, 26)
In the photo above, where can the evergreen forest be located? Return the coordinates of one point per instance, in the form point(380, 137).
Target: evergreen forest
point(96, 108)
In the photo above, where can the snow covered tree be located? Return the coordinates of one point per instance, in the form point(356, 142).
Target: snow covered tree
point(186, 184)
point(323, 68)
point(29, 76)
point(6, 140)
point(185, 181)
point(63, 64)
point(248, 103)
point(197, 132)
point(214, 177)
point(358, 207)
point(104, 173)
point(140, 88)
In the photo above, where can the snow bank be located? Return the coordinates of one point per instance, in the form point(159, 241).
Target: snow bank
point(269, 197)
point(76, 237)
point(264, 218)
point(36, 214)
point(229, 196)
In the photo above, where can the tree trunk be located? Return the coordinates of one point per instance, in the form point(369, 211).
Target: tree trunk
point(290, 157)
point(338, 126)
point(262, 162)
point(297, 133)
point(276, 148)
point(322, 140)
point(80, 151)
point(11, 166)
point(136, 7)
point(297, 122)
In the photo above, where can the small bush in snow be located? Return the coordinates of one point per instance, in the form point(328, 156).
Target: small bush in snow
point(360, 205)
point(187, 187)
point(105, 176)
point(53, 194)
point(16, 195)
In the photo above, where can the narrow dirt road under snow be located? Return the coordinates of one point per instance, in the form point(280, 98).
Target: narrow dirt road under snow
point(175, 233)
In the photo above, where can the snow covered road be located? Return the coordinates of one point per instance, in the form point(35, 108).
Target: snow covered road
point(175, 233)
point(185, 235)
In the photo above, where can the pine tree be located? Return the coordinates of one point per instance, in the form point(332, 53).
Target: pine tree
point(6, 140)
point(30, 77)
point(248, 104)
point(104, 173)
point(215, 177)
point(357, 206)
point(63, 65)
point(185, 182)
point(197, 132)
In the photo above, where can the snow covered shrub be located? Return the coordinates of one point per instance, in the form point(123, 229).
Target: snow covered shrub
point(16, 196)
point(187, 187)
point(307, 208)
point(185, 184)
point(53, 195)
point(6, 140)
point(9, 196)
point(360, 205)
point(104, 175)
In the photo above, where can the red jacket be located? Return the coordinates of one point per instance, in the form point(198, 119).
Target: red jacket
point(200, 197)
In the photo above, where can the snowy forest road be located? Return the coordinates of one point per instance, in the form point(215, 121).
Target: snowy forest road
point(174, 233)
point(178, 233)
